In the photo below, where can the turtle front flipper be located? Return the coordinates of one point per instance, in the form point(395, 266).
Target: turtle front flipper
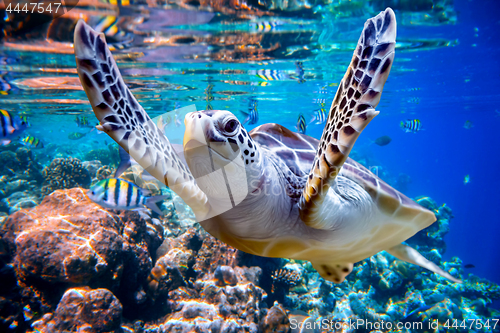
point(352, 109)
point(126, 122)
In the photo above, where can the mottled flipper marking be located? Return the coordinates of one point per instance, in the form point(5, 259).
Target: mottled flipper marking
point(352, 109)
point(409, 254)
point(126, 122)
point(333, 272)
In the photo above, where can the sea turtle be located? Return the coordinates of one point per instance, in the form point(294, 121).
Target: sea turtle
point(273, 192)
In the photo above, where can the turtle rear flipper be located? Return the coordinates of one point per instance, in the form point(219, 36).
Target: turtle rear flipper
point(352, 109)
point(409, 254)
point(126, 122)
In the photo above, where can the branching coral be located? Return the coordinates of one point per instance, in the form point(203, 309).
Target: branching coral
point(285, 278)
point(65, 173)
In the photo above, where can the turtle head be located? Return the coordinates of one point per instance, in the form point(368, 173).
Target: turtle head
point(219, 151)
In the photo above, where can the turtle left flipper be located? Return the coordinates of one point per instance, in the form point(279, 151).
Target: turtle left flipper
point(126, 122)
point(352, 109)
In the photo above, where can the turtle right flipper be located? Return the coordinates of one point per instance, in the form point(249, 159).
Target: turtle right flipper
point(352, 109)
point(126, 122)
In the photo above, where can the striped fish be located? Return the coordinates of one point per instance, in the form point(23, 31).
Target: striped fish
point(252, 114)
point(107, 25)
point(301, 124)
point(265, 26)
point(24, 119)
point(115, 193)
point(271, 74)
point(83, 121)
point(31, 142)
point(320, 115)
point(10, 127)
point(410, 125)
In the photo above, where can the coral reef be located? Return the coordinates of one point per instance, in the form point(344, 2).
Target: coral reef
point(19, 181)
point(69, 265)
point(64, 173)
point(83, 310)
point(107, 156)
point(69, 241)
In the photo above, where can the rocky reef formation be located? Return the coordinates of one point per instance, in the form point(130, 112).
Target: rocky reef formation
point(70, 265)
point(19, 180)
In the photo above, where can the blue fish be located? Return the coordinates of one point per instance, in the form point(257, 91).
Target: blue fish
point(10, 127)
point(415, 314)
point(252, 114)
point(410, 125)
point(301, 124)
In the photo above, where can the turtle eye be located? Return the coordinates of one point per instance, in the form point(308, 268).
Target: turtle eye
point(230, 126)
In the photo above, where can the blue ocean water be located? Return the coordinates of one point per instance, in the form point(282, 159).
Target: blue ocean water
point(446, 74)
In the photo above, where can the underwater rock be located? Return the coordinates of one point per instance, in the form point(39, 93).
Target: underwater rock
point(20, 200)
point(192, 282)
point(83, 310)
point(276, 320)
point(65, 173)
point(225, 276)
point(69, 240)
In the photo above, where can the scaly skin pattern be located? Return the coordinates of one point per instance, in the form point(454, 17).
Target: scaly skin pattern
point(126, 122)
point(273, 192)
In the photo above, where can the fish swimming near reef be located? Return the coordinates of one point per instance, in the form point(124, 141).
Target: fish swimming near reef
point(120, 194)
point(265, 26)
point(31, 142)
point(383, 141)
point(469, 266)
point(320, 115)
point(83, 121)
point(416, 314)
point(411, 126)
point(10, 127)
point(25, 120)
point(468, 124)
point(252, 116)
point(466, 179)
point(301, 124)
point(270, 74)
point(76, 135)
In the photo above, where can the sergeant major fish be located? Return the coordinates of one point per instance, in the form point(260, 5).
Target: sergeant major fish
point(31, 142)
point(115, 193)
point(301, 124)
point(83, 121)
point(412, 126)
point(320, 115)
point(10, 127)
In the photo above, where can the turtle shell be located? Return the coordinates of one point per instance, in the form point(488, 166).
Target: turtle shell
point(298, 151)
